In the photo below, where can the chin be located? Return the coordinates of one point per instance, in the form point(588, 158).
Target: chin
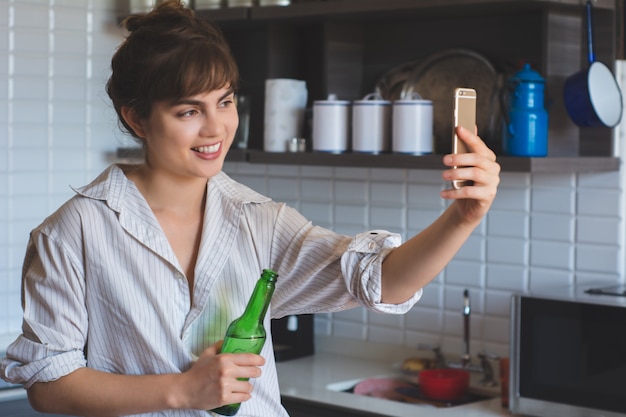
point(214, 170)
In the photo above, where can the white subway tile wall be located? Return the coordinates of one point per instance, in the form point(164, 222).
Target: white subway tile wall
point(534, 236)
point(57, 128)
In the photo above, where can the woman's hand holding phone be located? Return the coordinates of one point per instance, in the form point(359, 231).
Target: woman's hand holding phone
point(464, 116)
point(474, 172)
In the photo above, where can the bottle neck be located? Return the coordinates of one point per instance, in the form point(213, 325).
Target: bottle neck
point(260, 299)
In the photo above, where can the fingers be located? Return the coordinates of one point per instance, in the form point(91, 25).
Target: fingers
point(478, 165)
point(475, 144)
point(235, 371)
point(241, 365)
point(229, 386)
point(236, 391)
point(221, 378)
point(238, 359)
point(479, 153)
point(232, 391)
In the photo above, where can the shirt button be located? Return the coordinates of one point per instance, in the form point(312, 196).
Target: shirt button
point(179, 275)
point(371, 245)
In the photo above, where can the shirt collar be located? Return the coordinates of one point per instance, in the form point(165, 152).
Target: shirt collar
point(112, 185)
point(235, 191)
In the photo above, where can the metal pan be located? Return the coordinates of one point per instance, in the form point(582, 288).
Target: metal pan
point(435, 79)
point(592, 97)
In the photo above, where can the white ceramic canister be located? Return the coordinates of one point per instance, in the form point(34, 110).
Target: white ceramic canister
point(274, 2)
point(140, 6)
point(371, 124)
point(285, 105)
point(240, 3)
point(208, 4)
point(145, 6)
point(412, 126)
point(331, 125)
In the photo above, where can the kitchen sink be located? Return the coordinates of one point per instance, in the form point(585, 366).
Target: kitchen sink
point(400, 388)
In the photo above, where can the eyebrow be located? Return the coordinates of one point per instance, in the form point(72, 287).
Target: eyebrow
point(198, 102)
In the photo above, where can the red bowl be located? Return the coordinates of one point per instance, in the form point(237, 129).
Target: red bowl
point(444, 384)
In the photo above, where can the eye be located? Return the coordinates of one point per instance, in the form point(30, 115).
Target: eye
point(187, 113)
point(227, 102)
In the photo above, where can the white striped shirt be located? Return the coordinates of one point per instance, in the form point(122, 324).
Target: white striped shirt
point(102, 287)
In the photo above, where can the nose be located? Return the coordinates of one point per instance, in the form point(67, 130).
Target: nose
point(211, 125)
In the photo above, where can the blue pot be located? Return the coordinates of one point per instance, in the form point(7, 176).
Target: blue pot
point(592, 97)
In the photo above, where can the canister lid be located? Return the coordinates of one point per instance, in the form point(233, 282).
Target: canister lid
point(331, 103)
point(528, 74)
point(372, 99)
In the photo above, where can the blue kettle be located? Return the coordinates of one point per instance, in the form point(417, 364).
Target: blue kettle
point(526, 127)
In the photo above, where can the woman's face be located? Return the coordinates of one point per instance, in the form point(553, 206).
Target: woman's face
point(191, 137)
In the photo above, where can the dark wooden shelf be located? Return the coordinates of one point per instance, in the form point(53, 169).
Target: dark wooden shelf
point(387, 160)
point(559, 165)
point(392, 160)
point(508, 163)
point(225, 14)
point(360, 8)
point(237, 155)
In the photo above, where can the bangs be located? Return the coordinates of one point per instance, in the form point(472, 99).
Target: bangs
point(193, 70)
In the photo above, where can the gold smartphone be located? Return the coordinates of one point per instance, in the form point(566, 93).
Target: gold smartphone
point(465, 116)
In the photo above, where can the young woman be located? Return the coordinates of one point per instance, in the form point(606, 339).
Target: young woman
point(129, 287)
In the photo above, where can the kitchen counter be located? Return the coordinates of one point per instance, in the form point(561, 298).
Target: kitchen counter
point(339, 364)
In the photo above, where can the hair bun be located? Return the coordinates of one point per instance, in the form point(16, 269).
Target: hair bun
point(133, 22)
point(166, 13)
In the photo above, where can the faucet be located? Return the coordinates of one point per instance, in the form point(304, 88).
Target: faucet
point(466, 358)
point(485, 366)
point(440, 360)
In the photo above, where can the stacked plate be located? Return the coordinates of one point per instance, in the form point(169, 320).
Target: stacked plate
point(435, 78)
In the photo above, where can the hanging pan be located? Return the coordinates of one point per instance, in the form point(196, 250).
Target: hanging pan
point(592, 96)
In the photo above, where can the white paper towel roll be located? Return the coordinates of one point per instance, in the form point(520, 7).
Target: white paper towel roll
point(285, 104)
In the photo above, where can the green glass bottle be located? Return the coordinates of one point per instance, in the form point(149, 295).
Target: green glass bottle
point(246, 334)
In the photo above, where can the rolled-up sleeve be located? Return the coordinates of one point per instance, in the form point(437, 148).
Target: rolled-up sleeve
point(322, 271)
point(361, 265)
point(55, 320)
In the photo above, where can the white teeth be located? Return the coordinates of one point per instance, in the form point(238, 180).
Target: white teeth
point(207, 149)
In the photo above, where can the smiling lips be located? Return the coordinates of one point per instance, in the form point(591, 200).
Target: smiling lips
point(208, 152)
point(207, 149)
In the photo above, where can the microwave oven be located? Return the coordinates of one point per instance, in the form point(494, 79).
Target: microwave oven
point(568, 352)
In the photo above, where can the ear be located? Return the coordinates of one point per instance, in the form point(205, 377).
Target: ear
point(132, 119)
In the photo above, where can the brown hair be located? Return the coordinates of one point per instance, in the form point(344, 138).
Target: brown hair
point(169, 54)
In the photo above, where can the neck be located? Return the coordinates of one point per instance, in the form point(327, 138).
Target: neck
point(167, 193)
